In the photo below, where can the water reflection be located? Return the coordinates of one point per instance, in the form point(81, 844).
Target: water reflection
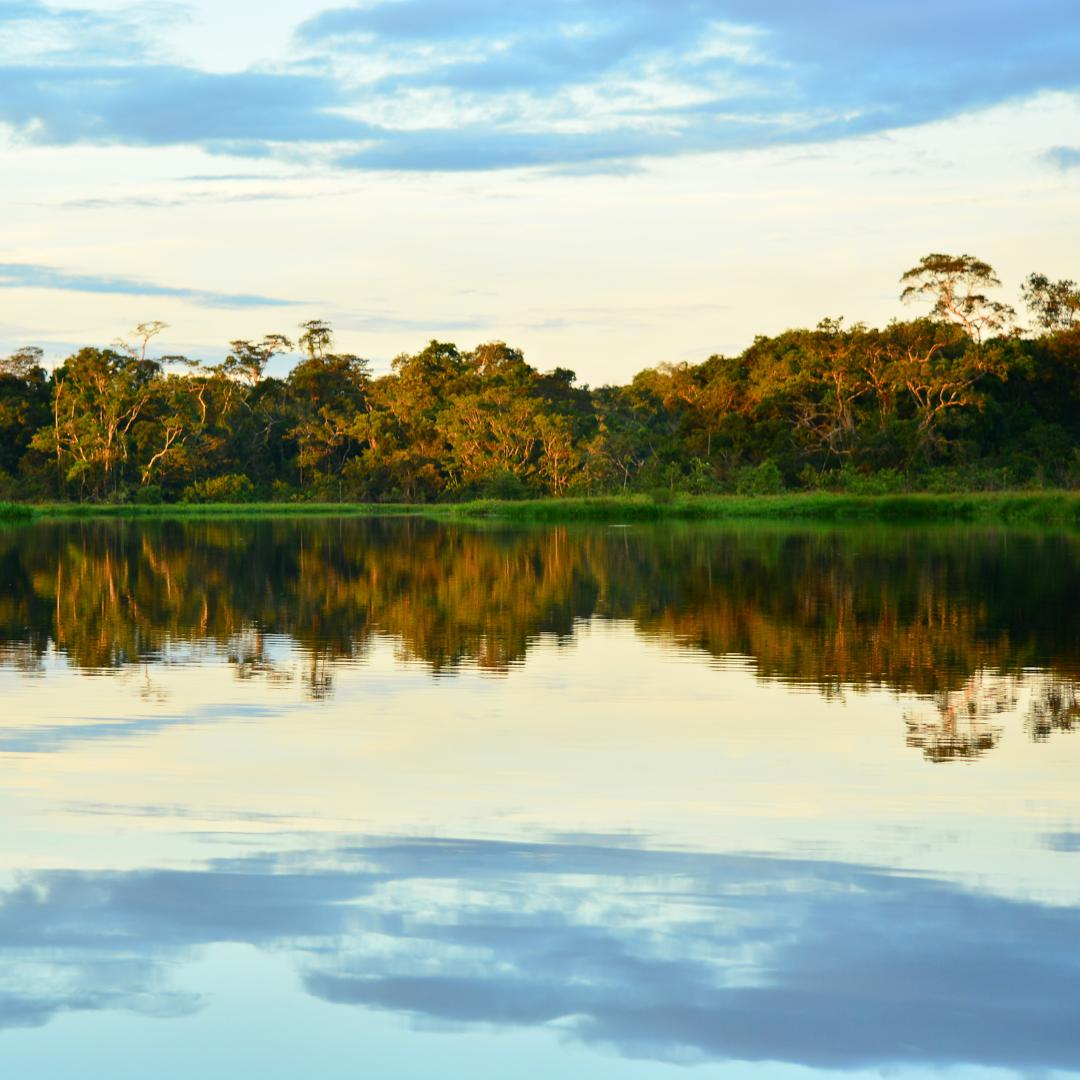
point(1057, 709)
point(661, 954)
point(966, 721)
point(960, 618)
point(684, 824)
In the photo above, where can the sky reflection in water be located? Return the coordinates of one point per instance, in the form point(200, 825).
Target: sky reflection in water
point(684, 796)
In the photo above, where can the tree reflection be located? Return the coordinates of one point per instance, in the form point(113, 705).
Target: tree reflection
point(964, 726)
point(955, 616)
point(1055, 708)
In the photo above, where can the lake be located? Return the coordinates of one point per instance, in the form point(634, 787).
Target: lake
point(397, 798)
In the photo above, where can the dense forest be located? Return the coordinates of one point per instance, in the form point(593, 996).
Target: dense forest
point(960, 397)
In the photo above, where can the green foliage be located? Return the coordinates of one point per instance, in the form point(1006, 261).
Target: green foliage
point(763, 479)
point(1019, 508)
point(15, 512)
point(280, 492)
point(700, 478)
point(1036, 508)
point(951, 401)
point(231, 488)
point(862, 482)
point(505, 485)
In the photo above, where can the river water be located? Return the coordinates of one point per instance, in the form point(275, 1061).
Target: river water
point(392, 798)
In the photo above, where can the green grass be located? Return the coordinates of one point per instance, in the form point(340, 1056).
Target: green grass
point(15, 512)
point(1049, 508)
point(222, 510)
point(1022, 508)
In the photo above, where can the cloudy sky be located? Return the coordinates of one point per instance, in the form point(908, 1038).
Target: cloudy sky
point(606, 183)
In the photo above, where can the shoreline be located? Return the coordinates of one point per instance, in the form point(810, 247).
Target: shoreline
point(1027, 508)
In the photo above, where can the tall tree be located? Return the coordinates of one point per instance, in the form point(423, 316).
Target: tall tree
point(98, 395)
point(1055, 305)
point(957, 286)
point(24, 405)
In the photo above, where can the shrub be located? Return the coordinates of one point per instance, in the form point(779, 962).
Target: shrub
point(504, 484)
point(857, 482)
point(700, 478)
point(231, 488)
point(281, 492)
point(763, 479)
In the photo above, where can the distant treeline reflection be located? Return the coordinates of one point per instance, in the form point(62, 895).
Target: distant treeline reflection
point(926, 612)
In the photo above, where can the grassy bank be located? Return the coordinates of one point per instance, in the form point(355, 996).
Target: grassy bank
point(1051, 508)
point(1022, 508)
point(53, 511)
point(15, 512)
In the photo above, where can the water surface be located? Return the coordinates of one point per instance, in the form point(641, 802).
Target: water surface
point(346, 798)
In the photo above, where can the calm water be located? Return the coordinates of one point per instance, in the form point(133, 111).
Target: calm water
point(395, 799)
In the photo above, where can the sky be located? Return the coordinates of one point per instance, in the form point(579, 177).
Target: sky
point(607, 184)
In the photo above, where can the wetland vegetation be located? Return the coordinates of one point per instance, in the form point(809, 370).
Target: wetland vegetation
point(1018, 508)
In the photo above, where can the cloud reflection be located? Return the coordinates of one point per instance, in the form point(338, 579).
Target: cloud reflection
point(664, 955)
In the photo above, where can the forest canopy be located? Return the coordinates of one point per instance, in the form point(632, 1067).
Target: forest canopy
point(958, 396)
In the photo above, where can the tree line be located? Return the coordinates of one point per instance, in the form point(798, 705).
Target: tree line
point(960, 396)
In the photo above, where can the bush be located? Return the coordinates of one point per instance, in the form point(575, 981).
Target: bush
point(857, 482)
point(950, 480)
point(281, 492)
point(700, 478)
point(504, 484)
point(149, 495)
point(231, 488)
point(763, 479)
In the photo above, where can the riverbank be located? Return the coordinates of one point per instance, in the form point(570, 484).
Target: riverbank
point(1056, 508)
point(1027, 508)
